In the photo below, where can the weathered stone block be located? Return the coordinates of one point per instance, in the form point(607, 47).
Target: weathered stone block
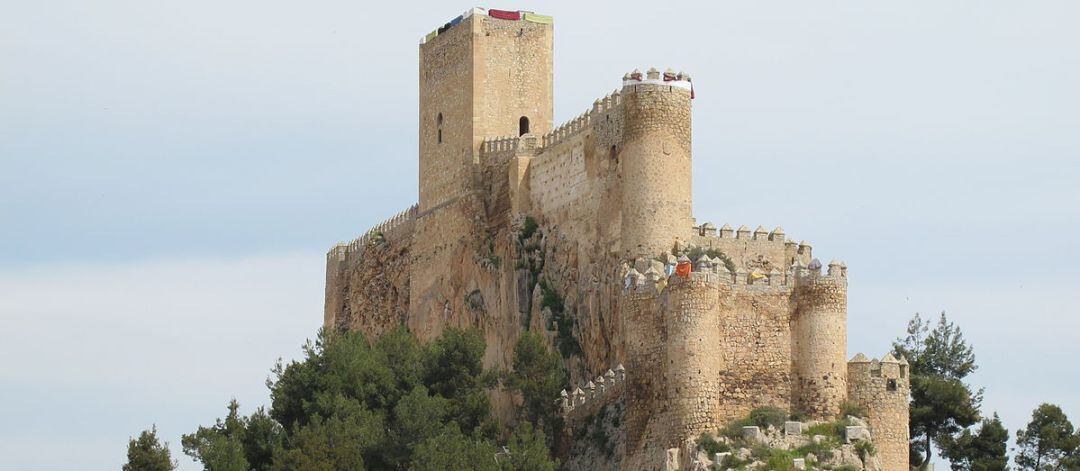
point(752, 433)
point(793, 428)
point(719, 458)
point(799, 463)
point(856, 433)
point(671, 463)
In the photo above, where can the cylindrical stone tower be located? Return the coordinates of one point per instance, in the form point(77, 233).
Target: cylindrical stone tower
point(692, 370)
point(883, 387)
point(819, 334)
point(655, 164)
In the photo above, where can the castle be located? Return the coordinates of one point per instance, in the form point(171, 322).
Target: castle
point(595, 214)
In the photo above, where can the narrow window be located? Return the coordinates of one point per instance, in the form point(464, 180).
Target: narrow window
point(438, 122)
point(891, 385)
point(523, 126)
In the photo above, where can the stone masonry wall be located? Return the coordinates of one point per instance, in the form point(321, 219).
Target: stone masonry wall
point(752, 250)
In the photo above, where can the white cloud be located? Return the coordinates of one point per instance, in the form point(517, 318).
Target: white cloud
point(95, 353)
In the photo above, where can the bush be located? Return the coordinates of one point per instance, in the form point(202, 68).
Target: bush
point(833, 429)
point(710, 446)
point(865, 450)
point(780, 460)
point(852, 409)
point(761, 452)
point(733, 462)
point(768, 417)
point(528, 228)
point(563, 323)
point(761, 417)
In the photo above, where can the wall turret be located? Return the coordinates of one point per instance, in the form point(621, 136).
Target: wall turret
point(819, 335)
point(883, 388)
point(692, 322)
point(655, 162)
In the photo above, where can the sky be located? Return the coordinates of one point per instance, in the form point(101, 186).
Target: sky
point(172, 173)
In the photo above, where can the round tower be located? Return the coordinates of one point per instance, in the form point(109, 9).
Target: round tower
point(691, 373)
point(819, 334)
point(882, 388)
point(655, 162)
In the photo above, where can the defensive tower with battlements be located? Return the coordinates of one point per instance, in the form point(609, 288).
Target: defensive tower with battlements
point(584, 232)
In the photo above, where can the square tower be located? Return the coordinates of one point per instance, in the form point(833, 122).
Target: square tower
point(482, 77)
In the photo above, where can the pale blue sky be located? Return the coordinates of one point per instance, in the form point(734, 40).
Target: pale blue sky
point(171, 174)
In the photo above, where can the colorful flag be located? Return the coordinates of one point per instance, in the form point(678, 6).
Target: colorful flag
point(504, 15)
point(542, 19)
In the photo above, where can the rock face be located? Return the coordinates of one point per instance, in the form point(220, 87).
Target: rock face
point(584, 232)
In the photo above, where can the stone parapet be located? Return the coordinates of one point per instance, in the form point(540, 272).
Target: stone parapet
point(391, 228)
point(586, 399)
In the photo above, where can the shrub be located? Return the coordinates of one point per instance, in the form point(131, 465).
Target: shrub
point(710, 446)
point(528, 228)
point(865, 450)
point(833, 429)
point(768, 417)
point(852, 409)
point(563, 323)
point(733, 462)
point(780, 460)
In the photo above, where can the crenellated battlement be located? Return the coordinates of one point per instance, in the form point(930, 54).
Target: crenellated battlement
point(587, 399)
point(566, 130)
point(499, 144)
point(709, 272)
point(877, 373)
point(653, 77)
point(342, 250)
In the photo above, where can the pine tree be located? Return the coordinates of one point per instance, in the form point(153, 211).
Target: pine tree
point(146, 453)
point(1048, 442)
point(984, 450)
point(942, 405)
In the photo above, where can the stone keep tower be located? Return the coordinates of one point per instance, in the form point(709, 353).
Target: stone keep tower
point(483, 77)
point(480, 77)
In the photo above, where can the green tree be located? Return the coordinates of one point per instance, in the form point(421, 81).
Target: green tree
point(455, 370)
point(337, 442)
point(220, 447)
point(391, 404)
point(528, 451)
point(984, 450)
point(942, 405)
point(538, 375)
point(451, 449)
point(1048, 442)
point(146, 453)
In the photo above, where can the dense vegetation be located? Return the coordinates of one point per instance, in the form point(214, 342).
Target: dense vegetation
point(393, 404)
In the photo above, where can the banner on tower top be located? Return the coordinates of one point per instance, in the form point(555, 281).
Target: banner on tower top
point(504, 15)
point(542, 19)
